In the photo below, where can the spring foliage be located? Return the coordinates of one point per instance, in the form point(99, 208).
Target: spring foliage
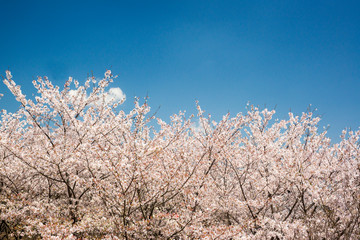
point(72, 165)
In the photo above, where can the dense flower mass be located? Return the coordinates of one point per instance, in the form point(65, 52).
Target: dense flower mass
point(74, 166)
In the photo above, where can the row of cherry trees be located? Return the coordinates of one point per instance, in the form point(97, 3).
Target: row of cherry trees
point(72, 165)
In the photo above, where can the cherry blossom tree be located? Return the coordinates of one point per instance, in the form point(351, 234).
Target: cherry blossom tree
point(75, 166)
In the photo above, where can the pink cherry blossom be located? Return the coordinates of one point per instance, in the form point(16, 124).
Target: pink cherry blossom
point(73, 165)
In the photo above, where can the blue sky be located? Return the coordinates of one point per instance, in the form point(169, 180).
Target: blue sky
point(287, 54)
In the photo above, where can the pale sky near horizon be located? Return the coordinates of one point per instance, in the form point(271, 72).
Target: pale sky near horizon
point(287, 54)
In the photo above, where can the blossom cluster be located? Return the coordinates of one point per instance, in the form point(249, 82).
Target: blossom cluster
point(74, 166)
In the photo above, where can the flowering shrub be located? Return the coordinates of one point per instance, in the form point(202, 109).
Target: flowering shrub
point(74, 167)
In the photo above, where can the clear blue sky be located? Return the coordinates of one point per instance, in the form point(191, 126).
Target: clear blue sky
point(223, 53)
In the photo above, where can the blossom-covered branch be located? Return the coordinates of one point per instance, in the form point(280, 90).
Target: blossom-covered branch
point(73, 166)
